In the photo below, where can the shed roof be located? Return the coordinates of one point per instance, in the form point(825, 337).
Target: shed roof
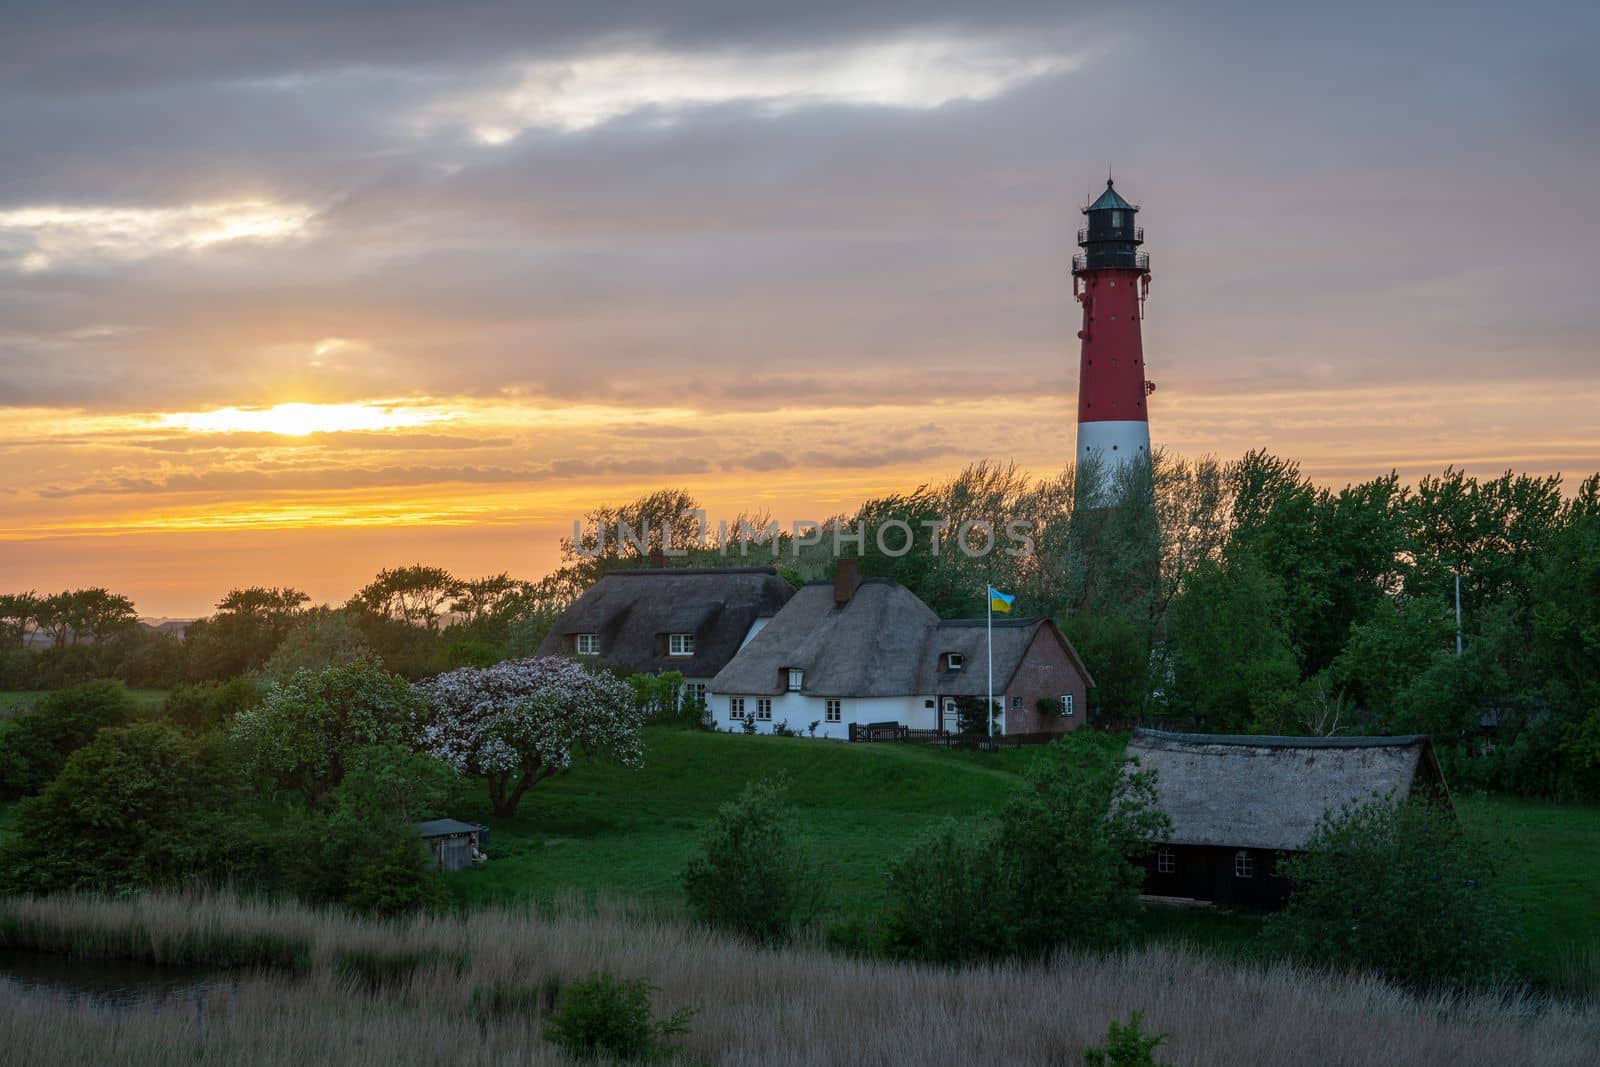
point(1271, 792)
point(445, 828)
point(633, 610)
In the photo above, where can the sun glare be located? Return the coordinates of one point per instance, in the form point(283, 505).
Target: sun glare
point(298, 420)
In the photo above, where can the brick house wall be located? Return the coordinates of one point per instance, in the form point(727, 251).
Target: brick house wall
point(1047, 670)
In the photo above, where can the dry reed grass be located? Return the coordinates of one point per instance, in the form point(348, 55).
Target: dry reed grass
point(794, 1006)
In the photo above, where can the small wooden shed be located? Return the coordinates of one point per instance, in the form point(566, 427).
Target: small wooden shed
point(1239, 805)
point(454, 844)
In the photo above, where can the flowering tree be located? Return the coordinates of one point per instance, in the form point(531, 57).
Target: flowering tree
point(521, 721)
point(304, 729)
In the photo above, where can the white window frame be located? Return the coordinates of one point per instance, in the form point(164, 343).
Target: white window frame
point(680, 644)
point(1244, 864)
point(586, 644)
point(1166, 861)
point(797, 679)
point(954, 661)
point(736, 707)
point(1066, 704)
point(833, 710)
point(763, 709)
point(695, 691)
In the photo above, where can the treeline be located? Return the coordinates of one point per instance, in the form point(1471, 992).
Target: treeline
point(416, 621)
point(1241, 598)
point(1210, 596)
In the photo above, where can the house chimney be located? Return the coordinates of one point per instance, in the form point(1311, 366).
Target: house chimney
point(846, 580)
point(658, 558)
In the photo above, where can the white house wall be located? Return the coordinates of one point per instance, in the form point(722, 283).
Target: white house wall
point(801, 709)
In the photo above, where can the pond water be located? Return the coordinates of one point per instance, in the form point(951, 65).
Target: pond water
point(110, 983)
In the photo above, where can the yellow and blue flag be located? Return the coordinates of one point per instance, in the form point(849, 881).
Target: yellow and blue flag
point(999, 601)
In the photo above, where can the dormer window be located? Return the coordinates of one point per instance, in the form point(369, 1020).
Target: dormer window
point(680, 644)
point(587, 644)
point(954, 661)
point(797, 678)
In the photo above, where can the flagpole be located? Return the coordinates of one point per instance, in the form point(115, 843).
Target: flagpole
point(988, 707)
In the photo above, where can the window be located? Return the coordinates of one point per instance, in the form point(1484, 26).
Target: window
point(1116, 220)
point(1166, 861)
point(1066, 703)
point(1016, 703)
point(588, 644)
point(954, 661)
point(764, 709)
point(736, 707)
point(680, 644)
point(835, 710)
point(797, 678)
point(1244, 865)
point(696, 692)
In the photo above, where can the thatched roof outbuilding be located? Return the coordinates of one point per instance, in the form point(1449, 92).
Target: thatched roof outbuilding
point(1271, 792)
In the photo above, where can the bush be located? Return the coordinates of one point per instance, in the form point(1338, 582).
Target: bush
point(602, 1016)
point(944, 902)
point(1064, 843)
point(133, 809)
point(752, 874)
point(208, 705)
point(35, 744)
point(1126, 1046)
point(1052, 870)
point(1398, 888)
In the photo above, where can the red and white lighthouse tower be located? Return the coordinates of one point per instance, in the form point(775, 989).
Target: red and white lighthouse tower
point(1110, 278)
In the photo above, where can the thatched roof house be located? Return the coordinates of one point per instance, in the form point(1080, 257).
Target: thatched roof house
point(686, 619)
point(1236, 803)
point(854, 651)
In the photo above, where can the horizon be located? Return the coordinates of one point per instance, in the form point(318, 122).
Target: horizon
point(290, 298)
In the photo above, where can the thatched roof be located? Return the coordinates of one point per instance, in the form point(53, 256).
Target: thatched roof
point(870, 647)
point(1270, 792)
point(633, 611)
point(883, 642)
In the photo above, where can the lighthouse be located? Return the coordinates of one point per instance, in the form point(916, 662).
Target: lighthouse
point(1110, 278)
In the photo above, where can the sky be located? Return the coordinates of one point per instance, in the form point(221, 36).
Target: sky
point(293, 292)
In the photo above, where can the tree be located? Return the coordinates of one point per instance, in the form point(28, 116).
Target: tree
point(390, 781)
point(96, 613)
point(320, 638)
point(304, 731)
point(1231, 665)
point(36, 744)
point(751, 873)
point(246, 630)
point(18, 615)
point(415, 595)
point(1397, 887)
point(135, 808)
point(521, 721)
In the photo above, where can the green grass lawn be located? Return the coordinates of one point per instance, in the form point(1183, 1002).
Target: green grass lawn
point(606, 829)
point(1552, 871)
point(602, 829)
point(14, 700)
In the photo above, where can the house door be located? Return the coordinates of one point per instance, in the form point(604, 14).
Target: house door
point(951, 718)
